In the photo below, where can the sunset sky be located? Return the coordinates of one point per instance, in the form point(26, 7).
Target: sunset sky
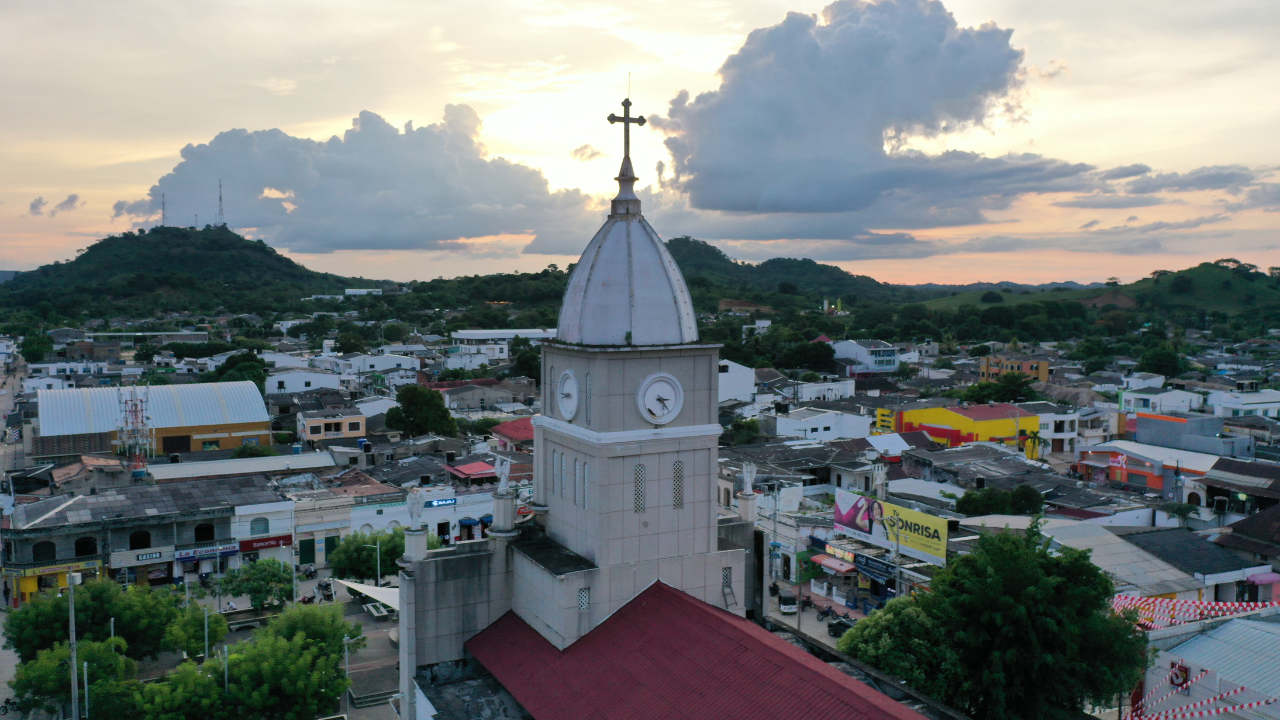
point(915, 142)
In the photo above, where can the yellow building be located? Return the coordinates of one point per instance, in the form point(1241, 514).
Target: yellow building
point(179, 418)
point(1001, 422)
point(991, 367)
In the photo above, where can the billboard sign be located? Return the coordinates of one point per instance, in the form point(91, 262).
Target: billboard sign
point(922, 536)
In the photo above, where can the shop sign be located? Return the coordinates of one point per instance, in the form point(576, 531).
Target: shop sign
point(264, 543)
point(142, 557)
point(441, 502)
point(52, 569)
point(1180, 677)
point(920, 536)
point(193, 553)
point(874, 568)
point(841, 554)
point(524, 510)
point(1120, 461)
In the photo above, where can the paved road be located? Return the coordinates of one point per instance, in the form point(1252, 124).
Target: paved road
point(10, 455)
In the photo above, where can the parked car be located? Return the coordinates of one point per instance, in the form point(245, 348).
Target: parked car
point(787, 604)
point(838, 627)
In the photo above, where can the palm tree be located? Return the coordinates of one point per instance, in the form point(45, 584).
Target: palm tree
point(1033, 444)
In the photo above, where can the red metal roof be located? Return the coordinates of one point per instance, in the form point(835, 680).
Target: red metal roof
point(472, 470)
point(666, 655)
point(520, 430)
point(833, 564)
point(999, 411)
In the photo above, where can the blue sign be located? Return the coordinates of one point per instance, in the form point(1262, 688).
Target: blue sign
point(441, 503)
point(875, 568)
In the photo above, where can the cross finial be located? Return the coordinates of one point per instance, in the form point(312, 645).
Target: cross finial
point(626, 121)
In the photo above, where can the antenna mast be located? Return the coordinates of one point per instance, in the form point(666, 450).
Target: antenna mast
point(163, 212)
point(135, 435)
point(221, 220)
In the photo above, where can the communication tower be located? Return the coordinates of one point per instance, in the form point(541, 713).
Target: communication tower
point(135, 432)
point(164, 219)
point(221, 220)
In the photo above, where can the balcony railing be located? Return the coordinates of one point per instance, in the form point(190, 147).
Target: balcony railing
point(51, 563)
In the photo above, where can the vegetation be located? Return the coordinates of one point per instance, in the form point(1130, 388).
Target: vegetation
point(356, 557)
point(266, 582)
point(1009, 631)
point(421, 412)
point(1022, 500)
point(187, 631)
point(141, 616)
point(1008, 387)
point(42, 681)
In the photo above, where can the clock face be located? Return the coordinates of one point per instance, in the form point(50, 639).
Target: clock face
point(660, 398)
point(568, 394)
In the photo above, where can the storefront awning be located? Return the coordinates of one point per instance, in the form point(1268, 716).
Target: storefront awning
point(1104, 464)
point(486, 519)
point(465, 522)
point(832, 564)
point(1267, 578)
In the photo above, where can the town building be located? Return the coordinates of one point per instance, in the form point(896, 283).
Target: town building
point(993, 366)
point(1161, 400)
point(815, 424)
point(1058, 426)
point(331, 425)
point(737, 382)
point(967, 423)
point(296, 380)
point(202, 416)
point(1264, 403)
point(866, 357)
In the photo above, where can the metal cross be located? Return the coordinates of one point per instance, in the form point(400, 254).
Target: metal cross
point(626, 121)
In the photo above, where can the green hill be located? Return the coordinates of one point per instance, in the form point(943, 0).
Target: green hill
point(169, 268)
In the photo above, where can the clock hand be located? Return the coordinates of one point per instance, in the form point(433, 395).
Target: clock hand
point(663, 401)
point(564, 394)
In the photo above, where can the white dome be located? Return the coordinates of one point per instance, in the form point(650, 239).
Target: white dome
point(626, 288)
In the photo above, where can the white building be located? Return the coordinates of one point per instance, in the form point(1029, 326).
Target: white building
point(814, 424)
point(868, 356)
point(283, 360)
point(67, 367)
point(264, 530)
point(1058, 426)
point(1263, 403)
point(362, 291)
point(737, 382)
point(46, 382)
point(759, 327)
point(292, 380)
point(1143, 380)
point(353, 363)
point(813, 392)
point(1161, 400)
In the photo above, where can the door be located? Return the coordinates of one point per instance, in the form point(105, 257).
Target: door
point(442, 530)
point(176, 444)
point(307, 551)
point(330, 544)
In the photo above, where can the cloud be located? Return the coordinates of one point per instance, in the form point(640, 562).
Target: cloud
point(1264, 195)
point(811, 117)
point(374, 188)
point(37, 206)
point(1090, 224)
point(279, 86)
point(1125, 171)
point(71, 203)
point(585, 153)
point(1112, 202)
point(1217, 177)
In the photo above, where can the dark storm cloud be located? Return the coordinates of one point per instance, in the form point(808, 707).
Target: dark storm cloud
point(374, 188)
point(1217, 177)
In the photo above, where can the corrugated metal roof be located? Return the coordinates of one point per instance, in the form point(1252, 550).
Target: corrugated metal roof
point(93, 410)
point(145, 501)
point(1246, 652)
point(239, 466)
point(667, 655)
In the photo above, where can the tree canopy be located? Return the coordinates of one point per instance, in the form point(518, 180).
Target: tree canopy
point(42, 682)
point(355, 559)
point(141, 615)
point(187, 631)
point(421, 412)
point(1022, 500)
point(1010, 631)
point(266, 581)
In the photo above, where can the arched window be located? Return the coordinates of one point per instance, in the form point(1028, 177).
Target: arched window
point(259, 526)
point(1194, 498)
point(44, 551)
point(140, 540)
point(839, 480)
point(586, 486)
point(204, 532)
point(576, 480)
point(366, 528)
point(554, 458)
point(562, 476)
point(86, 546)
point(639, 489)
point(588, 399)
point(393, 524)
point(677, 485)
point(554, 382)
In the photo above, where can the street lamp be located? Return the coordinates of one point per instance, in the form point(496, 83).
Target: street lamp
point(895, 523)
point(206, 632)
point(346, 664)
point(377, 546)
point(73, 579)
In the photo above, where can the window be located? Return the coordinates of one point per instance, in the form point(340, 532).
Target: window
point(554, 455)
point(677, 485)
point(44, 551)
point(211, 445)
point(813, 429)
point(249, 441)
point(315, 429)
point(639, 489)
point(353, 427)
point(279, 384)
point(86, 546)
point(588, 399)
point(586, 486)
point(576, 481)
point(826, 428)
point(140, 540)
point(259, 526)
point(584, 598)
point(839, 480)
point(554, 382)
point(204, 532)
point(724, 368)
point(562, 483)
point(726, 577)
point(304, 384)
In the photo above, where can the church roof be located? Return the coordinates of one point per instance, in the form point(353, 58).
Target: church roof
point(666, 654)
point(626, 288)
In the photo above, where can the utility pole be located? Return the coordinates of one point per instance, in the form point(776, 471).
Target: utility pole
point(113, 627)
point(346, 664)
point(895, 522)
point(86, 689)
point(378, 549)
point(206, 633)
point(73, 579)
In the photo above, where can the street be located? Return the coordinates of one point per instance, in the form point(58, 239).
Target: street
point(10, 453)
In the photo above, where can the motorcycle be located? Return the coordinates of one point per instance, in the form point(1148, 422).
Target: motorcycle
point(309, 572)
point(825, 613)
point(206, 580)
point(307, 599)
point(805, 602)
point(9, 704)
point(773, 589)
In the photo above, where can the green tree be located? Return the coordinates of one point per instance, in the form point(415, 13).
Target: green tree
point(35, 346)
point(526, 362)
point(741, 432)
point(1008, 387)
point(355, 559)
point(253, 451)
point(906, 371)
point(276, 679)
point(1182, 285)
point(394, 332)
point(421, 412)
point(349, 342)
point(187, 631)
point(991, 296)
point(987, 501)
point(1030, 632)
point(114, 698)
point(187, 693)
point(266, 582)
point(44, 683)
point(145, 352)
point(809, 355)
point(322, 626)
point(1026, 500)
point(1161, 360)
point(904, 640)
point(141, 615)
